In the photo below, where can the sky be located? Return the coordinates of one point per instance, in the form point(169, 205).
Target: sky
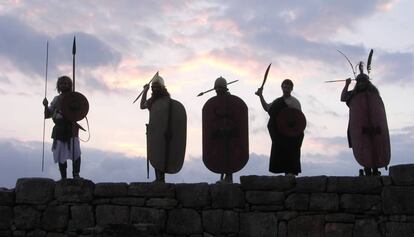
point(122, 44)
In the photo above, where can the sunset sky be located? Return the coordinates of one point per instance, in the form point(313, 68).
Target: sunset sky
point(121, 44)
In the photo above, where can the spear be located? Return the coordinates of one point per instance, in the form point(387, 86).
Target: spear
point(44, 119)
point(338, 80)
point(202, 93)
point(73, 89)
point(156, 75)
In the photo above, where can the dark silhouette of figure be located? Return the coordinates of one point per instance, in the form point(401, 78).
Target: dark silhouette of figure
point(158, 91)
point(65, 133)
point(285, 152)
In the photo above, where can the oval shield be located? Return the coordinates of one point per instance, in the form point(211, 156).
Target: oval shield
point(368, 130)
point(74, 106)
point(225, 134)
point(167, 135)
point(291, 122)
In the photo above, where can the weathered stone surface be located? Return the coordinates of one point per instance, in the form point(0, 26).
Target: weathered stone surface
point(166, 203)
point(227, 196)
point(315, 184)
point(40, 233)
point(265, 197)
point(286, 215)
point(402, 174)
point(324, 202)
point(282, 230)
point(386, 180)
point(366, 228)
point(359, 203)
point(193, 195)
point(310, 226)
point(398, 200)
point(5, 233)
point(297, 201)
point(74, 190)
point(128, 230)
point(338, 230)
point(81, 217)
point(111, 190)
point(55, 218)
point(6, 197)
point(144, 215)
point(111, 214)
point(26, 217)
point(276, 183)
point(151, 190)
point(394, 229)
point(362, 184)
point(6, 217)
point(34, 190)
point(184, 222)
point(266, 208)
point(129, 201)
point(340, 217)
point(19, 233)
point(219, 221)
point(255, 224)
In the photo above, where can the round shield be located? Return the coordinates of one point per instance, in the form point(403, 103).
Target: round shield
point(291, 122)
point(74, 106)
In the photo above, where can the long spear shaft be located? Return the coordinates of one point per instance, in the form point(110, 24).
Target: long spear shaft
point(202, 93)
point(73, 89)
point(44, 119)
point(338, 80)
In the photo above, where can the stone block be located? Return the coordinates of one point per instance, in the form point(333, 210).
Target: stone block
point(395, 229)
point(282, 229)
point(366, 228)
point(267, 208)
point(5, 233)
point(265, 197)
point(310, 226)
point(297, 201)
point(34, 190)
point(6, 217)
point(40, 233)
point(276, 183)
point(74, 190)
point(219, 221)
point(128, 201)
point(402, 174)
point(398, 200)
point(6, 197)
point(55, 218)
point(361, 185)
point(184, 222)
point(286, 215)
point(255, 224)
point(165, 203)
point(111, 190)
point(359, 203)
point(26, 217)
point(151, 190)
point(227, 196)
point(315, 184)
point(144, 215)
point(324, 202)
point(338, 230)
point(193, 195)
point(81, 217)
point(340, 217)
point(111, 214)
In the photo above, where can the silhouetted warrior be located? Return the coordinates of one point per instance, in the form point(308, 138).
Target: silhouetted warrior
point(65, 134)
point(363, 84)
point(285, 153)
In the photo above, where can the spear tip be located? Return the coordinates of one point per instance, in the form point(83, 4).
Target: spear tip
point(74, 45)
point(200, 94)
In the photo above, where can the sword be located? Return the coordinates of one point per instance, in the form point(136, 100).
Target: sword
point(202, 93)
point(156, 74)
point(265, 76)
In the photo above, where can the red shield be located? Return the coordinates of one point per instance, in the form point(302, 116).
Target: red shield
point(368, 129)
point(291, 122)
point(225, 134)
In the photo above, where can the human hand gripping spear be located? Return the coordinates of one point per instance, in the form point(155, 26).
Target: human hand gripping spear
point(156, 75)
point(202, 93)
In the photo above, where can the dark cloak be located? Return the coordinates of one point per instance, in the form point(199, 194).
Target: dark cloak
point(285, 153)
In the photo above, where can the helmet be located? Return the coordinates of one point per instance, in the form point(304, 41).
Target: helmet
point(220, 82)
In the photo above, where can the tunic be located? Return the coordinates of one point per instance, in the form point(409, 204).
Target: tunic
point(285, 152)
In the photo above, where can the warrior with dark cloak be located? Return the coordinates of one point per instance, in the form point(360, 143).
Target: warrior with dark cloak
point(285, 151)
point(65, 133)
point(158, 91)
point(363, 84)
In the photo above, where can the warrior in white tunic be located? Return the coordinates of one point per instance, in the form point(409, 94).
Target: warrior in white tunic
point(65, 135)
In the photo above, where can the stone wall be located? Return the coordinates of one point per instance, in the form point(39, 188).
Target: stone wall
point(258, 206)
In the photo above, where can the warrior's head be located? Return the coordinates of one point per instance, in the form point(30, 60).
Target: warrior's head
point(287, 87)
point(158, 86)
point(64, 84)
point(220, 85)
